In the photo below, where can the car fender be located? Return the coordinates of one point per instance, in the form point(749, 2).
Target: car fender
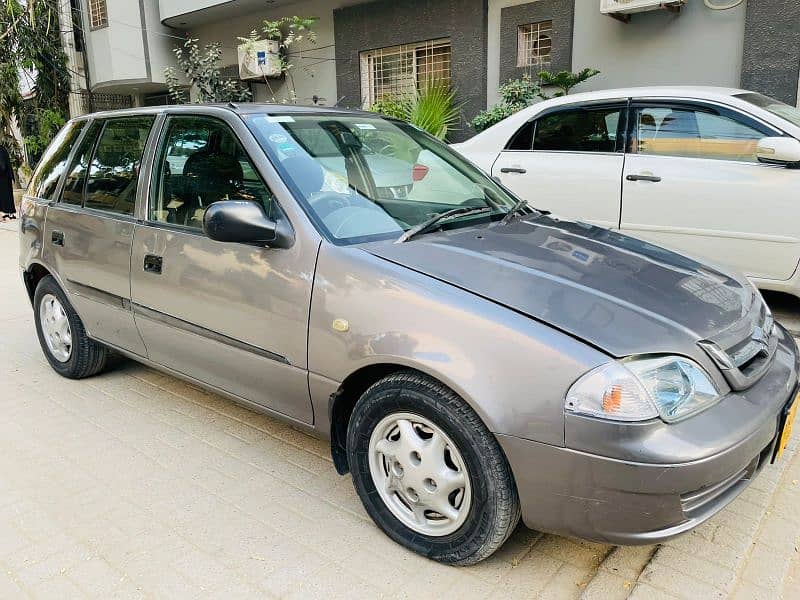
point(513, 370)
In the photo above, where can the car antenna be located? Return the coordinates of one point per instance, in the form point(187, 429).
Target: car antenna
point(233, 105)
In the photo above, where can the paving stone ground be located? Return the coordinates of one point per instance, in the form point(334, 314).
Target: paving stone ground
point(134, 484)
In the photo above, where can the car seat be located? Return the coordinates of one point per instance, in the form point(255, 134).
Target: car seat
point(210, 175)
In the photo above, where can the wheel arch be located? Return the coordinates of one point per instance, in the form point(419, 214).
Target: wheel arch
point(33, 275)
point(343, 401)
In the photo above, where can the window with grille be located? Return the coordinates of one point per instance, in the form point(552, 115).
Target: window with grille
point(397, 71)
point(534, 43)
point(98, 14)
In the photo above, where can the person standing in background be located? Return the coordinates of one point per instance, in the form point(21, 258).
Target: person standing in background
point(7, 209)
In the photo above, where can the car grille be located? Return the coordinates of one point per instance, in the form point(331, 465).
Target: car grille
point(745, 361)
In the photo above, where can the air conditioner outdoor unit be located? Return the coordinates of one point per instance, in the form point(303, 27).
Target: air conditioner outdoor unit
point(627, 7)
point(259, 59)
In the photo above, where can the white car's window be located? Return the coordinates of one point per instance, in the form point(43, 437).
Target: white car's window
point(694, 133)
point(585, 129)
point(201, 162)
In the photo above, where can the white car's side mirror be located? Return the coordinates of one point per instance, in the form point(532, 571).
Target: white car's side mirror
point(779, 151)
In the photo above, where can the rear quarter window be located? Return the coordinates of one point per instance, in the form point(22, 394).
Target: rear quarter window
point(52, 165)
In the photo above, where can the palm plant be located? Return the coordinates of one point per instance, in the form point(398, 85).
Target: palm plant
point(432, 108)
point(564, 81)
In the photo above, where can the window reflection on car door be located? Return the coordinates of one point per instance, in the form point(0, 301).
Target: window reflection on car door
point(693, 183)
point(569, 162)
point(231, 315)
point(89, 231)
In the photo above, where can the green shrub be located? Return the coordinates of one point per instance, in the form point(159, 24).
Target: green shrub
point(521, 93)
point(391, 107)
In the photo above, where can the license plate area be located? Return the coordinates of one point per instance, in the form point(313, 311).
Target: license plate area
point(787, 423)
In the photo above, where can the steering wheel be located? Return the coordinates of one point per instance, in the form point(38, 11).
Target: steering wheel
point(325, 203)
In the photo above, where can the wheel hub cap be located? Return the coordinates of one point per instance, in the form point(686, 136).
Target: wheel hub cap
point(55, 327)
point(419, 474)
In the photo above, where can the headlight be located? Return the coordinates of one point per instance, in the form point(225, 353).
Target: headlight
point(638, 389)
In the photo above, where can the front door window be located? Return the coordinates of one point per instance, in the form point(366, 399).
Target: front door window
point(694, 133)
point(202, 162)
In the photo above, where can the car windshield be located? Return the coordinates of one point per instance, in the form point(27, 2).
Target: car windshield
point(776, 107)
point(364, 178)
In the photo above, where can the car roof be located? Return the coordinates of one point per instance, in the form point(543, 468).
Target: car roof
point(235, 107)
point(679, 91)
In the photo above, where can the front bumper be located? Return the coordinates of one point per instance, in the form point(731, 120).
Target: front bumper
point(640, 492)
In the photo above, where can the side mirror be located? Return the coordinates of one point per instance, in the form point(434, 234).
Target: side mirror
point(779, 151)
point(244, 222)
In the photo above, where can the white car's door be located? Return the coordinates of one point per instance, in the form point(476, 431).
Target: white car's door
point(692, 183)
point(569, 161)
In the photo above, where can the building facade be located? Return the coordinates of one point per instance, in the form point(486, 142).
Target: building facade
point(367, 50)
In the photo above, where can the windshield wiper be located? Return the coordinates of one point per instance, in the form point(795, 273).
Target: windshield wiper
point(426, 225)
point(518, 207)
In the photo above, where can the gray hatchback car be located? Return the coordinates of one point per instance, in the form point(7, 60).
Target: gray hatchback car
point(471, 359)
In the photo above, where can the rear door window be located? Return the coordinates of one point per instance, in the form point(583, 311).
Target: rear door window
point(114, 169)
point(75, 182)
point(52, 165)
point(584, 129)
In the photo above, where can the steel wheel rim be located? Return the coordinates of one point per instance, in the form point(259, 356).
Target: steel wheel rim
point(55, 327)
point(420, 474)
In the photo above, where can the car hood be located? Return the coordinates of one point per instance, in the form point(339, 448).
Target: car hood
point(618, 293)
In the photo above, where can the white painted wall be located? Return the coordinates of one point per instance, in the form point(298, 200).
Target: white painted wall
point(118, 58)
point(313, 73)
point(116, 53)
point(699, 46)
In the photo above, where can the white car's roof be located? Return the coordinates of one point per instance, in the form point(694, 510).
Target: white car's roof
point(490, 140)
point(673, 91)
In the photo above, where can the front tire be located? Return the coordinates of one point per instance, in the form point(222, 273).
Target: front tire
point(429, 472)
point(62, 335)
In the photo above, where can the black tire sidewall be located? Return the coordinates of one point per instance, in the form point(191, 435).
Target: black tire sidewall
point(458, 546)
point(69, 368)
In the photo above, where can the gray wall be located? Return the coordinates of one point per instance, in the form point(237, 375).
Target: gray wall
point(699, 46)
point(390, 23)
point(696, 47)
point(771, 62)
point(560, 12)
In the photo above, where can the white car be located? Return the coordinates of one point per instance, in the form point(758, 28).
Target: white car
point(711, 172)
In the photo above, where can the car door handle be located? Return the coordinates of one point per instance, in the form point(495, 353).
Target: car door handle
point(512, 170)
point(653, 178)
point(153, 264)
point(57, 237)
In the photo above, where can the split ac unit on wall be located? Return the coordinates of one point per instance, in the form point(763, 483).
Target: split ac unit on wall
point(634, 6)
point(259, 60)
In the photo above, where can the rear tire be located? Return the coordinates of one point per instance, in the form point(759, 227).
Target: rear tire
point(62, 335)
point(414, 447)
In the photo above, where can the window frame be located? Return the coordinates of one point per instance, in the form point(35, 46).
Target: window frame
point(521, 44)
point(623, 126)
point(159, 145)
point(365, 57)
point(102, 19)
point(706, 106)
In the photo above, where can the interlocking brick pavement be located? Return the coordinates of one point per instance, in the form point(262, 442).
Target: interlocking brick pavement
point(134, 484)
